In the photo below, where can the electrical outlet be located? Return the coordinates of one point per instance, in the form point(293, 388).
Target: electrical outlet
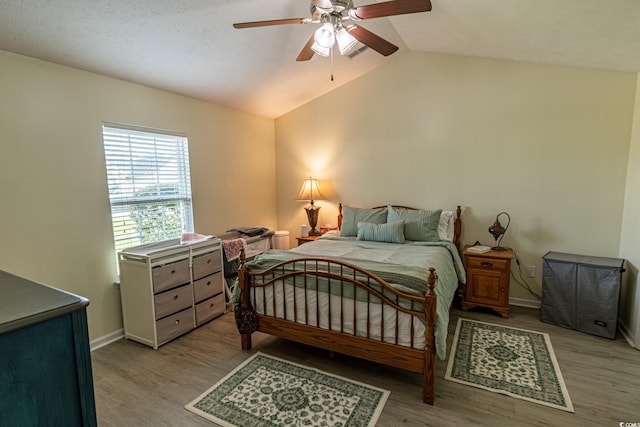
point(531, 271)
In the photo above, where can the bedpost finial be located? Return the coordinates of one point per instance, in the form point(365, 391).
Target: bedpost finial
point(431, 281)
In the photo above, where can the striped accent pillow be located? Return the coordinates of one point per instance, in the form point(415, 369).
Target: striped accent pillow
point(391, 232)
point(352, 216)
point(419, 225)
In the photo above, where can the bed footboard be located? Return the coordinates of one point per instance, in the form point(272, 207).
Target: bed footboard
point(344, 309)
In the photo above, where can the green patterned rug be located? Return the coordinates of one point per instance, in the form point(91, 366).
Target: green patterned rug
point(515, 362)
point(267, 391)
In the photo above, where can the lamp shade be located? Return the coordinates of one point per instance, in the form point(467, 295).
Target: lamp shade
point(325, 36)
point(310, 190)
point(346, 41)
point(320, 50)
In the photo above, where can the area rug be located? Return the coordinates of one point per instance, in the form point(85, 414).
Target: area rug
point(267, 391)
point(515, 362)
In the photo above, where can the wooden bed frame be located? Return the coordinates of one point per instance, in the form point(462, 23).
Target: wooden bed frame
point(336, 339)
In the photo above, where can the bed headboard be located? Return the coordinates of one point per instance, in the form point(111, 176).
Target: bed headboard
point(457, 222)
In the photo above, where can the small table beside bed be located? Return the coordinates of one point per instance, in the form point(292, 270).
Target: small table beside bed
point(379, 289)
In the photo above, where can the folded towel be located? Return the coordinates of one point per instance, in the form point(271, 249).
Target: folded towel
point(232, 248)
point(190, 238)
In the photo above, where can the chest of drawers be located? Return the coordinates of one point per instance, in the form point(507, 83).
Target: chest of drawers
point(168, 289)
point(45, 362)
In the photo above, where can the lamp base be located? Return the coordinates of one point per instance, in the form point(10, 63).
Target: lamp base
point(312, 216)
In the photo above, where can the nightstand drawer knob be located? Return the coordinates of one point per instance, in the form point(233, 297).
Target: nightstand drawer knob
point(502, 290)
point(486, 264)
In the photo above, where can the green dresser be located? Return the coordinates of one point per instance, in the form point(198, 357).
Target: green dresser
point(45, 361)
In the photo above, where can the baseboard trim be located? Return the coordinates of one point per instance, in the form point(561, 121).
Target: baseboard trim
point(521, 302)
point(624, 330)
point(106, 339)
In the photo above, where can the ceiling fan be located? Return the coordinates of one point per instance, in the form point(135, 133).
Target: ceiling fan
point(337, 19)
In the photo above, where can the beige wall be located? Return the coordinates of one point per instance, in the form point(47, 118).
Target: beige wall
point(630, 237)
point(55, 224)
point(547, 144)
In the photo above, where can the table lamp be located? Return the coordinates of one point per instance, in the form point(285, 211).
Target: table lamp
point(311, 191)
point(497, 231)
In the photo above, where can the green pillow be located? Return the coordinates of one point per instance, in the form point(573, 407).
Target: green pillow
point(352, 216)
point(419, 225)
point(391, 232)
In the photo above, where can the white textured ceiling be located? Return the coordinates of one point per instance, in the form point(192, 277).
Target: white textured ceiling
point(190, 46)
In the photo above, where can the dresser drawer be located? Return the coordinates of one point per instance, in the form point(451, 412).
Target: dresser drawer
point(170, 275)
point(488, 263)
point(207, 264)
point(207, 310)
point(174, 325)
point(207, 286)
point(174, 300)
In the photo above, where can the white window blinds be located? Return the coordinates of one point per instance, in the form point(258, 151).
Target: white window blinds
point(149, 184)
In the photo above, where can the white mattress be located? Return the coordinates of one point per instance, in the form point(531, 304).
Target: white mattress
point(345, 309)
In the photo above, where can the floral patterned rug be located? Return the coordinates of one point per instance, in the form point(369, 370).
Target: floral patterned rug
point(515, 362)
point(267, 391)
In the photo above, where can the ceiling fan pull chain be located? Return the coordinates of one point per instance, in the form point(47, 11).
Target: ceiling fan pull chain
point(331, 64)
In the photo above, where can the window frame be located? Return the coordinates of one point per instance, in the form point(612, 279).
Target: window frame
point(143, 162)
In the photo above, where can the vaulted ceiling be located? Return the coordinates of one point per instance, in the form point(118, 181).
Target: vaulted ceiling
point(190, 47)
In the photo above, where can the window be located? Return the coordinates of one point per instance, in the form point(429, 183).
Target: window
point(149, 184)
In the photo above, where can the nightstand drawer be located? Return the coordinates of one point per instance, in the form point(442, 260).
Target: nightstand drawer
point(488, 263)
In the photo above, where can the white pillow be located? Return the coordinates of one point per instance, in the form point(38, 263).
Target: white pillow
point(446, 226)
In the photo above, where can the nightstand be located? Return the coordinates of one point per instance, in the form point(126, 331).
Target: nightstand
point(487, 280)
point(302, 240)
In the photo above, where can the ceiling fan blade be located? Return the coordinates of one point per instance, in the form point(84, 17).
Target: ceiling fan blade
point(371, 40)
point(272, 22)
point(306, 53)
point(324, 5)
point(389, 8)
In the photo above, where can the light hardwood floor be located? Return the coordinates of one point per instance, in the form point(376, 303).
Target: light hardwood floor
point(138, 386)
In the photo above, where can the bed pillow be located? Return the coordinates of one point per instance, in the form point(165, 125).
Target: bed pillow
point(419, 225)
point(391, 232)
point(352, 216)
point(446, 226)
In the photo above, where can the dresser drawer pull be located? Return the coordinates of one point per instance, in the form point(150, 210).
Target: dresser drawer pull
point(486, 264)
point(209, 261)
point(173, 272)
point(211, 305)
point(177, 321)
point(209, 283)
point(175, 297)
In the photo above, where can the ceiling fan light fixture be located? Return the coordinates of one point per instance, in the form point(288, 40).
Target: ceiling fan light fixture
point(325, 36)
point(346, 41)
point(320, 50)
